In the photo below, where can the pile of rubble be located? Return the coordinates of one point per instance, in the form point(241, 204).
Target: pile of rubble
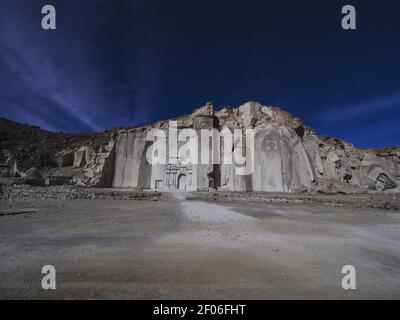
point(26, 192)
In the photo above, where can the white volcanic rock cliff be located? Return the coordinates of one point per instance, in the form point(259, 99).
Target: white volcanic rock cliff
point(287, 156)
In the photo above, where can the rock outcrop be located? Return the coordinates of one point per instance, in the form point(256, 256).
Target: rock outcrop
point(288, 156)
point(87, 158)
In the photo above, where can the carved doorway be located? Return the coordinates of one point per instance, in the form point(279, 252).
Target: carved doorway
point(182, 182)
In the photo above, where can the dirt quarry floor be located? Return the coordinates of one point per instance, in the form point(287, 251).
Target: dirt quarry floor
point(186, 246)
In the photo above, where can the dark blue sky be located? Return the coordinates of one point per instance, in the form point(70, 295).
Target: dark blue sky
point(122, 63)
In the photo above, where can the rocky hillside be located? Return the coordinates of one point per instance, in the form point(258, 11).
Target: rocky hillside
point(24, 148)
point(334, 165)
point(31, 146)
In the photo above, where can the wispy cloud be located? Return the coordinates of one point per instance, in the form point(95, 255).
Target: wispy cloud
point(353, 111)
point(69, 80)
point(34, 81)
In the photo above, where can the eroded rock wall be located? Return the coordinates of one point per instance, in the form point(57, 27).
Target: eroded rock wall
point(339, 161)
point(98, 171)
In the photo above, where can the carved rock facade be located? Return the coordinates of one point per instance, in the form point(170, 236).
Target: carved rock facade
point(288, 156)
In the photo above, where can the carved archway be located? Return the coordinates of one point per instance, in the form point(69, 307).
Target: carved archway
point(182, 182)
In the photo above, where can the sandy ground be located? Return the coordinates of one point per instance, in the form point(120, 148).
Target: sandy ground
point(196, 249)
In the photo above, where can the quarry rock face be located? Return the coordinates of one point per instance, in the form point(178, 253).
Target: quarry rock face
point(98, 166)
point(131, 168)
point(288, 156)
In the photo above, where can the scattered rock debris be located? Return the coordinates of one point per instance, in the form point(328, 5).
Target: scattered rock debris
point(26, 192)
